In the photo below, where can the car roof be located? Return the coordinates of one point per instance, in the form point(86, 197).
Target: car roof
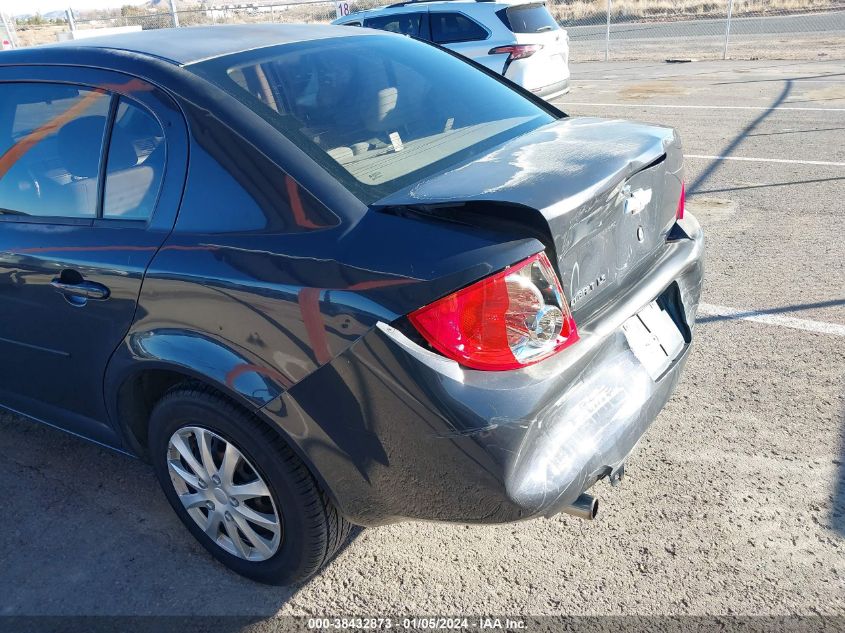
point(477, 5)
point(194, 43)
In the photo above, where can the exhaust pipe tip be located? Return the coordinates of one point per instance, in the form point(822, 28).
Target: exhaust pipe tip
point(584, 507)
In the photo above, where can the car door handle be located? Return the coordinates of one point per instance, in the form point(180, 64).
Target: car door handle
point(83, 289)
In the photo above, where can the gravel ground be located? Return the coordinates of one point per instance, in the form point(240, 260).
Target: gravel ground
point(734, 503)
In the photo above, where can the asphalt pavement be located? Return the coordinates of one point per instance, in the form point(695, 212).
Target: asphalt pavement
point(734, 502)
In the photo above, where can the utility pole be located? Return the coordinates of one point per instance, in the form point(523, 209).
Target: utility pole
point(70, 21)
point(9, 30)
point(728, 27)
point(173, 13)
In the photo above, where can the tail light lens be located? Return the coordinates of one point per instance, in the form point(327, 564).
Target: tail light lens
point(516, 51)
point(681, 203)
point(510, 320)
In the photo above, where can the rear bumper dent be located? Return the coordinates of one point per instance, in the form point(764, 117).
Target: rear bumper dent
point(424, 438)
point(589, 431)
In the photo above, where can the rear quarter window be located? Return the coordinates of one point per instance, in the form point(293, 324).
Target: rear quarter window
point(533, 18)
point(402, 23)
point(135, 164)
point(450, 28)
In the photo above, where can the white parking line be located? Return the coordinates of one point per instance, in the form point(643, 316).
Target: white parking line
point(768, 160)
point(820, 327)
point(694, 107)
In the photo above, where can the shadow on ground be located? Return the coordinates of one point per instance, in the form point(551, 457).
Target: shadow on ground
point(88, 532)
point(781, 310)
point(729, 149)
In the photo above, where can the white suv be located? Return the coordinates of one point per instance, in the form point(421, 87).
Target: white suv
point(519, 40)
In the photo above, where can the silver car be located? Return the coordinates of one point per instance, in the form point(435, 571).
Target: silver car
point(519, 40)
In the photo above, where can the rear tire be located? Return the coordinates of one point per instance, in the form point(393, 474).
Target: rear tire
point(308, 530)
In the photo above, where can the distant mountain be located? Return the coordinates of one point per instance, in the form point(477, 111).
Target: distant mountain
point(50, 15)
point(165, 4)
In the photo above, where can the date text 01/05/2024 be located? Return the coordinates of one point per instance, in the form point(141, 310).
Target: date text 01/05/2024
point(425, 623)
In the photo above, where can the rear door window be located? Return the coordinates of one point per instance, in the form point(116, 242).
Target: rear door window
point(403, 23)
point(531, 18)
point(450, 28)
point(51, 145)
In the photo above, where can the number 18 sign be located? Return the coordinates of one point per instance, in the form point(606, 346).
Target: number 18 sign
point(342, 8)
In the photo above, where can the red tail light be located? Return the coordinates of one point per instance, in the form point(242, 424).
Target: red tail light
point(510, 320)
point(516, 51)
point(681, 203)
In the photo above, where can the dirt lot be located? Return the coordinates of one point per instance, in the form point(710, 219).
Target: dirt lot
point(734, 503)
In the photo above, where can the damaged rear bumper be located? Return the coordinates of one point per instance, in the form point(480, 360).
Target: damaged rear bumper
point(406, 433)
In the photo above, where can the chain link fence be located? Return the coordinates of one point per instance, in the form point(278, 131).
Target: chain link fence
point(598, 29)
point(689, 29)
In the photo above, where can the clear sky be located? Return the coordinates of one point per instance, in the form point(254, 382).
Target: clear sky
point(18, 7)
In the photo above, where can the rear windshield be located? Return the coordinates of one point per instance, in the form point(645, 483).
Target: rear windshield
point(530, 18)
point(379, 112)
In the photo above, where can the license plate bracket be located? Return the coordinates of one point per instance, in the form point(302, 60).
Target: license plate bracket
point(654, 338)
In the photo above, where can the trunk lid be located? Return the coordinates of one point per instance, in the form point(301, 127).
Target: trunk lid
point(607, 191)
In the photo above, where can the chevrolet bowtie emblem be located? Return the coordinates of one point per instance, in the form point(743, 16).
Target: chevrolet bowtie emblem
point(635, 201)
